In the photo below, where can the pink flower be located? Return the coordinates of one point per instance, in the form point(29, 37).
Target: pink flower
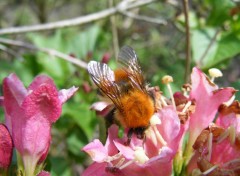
point(208, 97)
point(152, 157)
point(29, 114)
point(6, 147)
point(217, 148)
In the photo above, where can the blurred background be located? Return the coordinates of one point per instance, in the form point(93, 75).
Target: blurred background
point(155, 30)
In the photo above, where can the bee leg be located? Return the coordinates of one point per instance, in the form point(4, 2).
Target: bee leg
point(129, 136)
point(144, 140)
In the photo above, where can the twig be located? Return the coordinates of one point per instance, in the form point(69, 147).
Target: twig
point(144, 18)
point(51, 52)
point(208, 48)
point(188, 44)
point(77, 21)
point(10, 51)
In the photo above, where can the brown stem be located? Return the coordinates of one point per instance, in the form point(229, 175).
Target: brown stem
point(188, 43)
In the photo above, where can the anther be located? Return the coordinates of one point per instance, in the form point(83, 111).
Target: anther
point(167, 80)
point(214, 73)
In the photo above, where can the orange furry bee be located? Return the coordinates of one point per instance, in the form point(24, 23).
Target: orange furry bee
point(126, 87)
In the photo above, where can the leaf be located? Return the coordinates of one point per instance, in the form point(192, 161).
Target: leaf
point(200, 42)
point(219, 12)
point(224, 47)
point(60, 166)
point(82, 116)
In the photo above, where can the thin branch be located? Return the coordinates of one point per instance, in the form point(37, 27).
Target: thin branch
point(10, 51)
point(144, 18)
point(124, 5)
point(188, 43)
point(51, 52)
point(208, 48)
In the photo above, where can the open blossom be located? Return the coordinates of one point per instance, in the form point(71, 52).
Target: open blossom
point(207, 98)
point(218, 146)
point(29, 114)
point(6, 147)
point(152, 157)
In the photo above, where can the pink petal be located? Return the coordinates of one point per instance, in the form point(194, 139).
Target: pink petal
point(126, 151)
point(100, 106)
point(170, 126)
point(6, 147)
point(96, 169)
point(39, 80)
point(45, 152)
point(224, 152)
point(228, 120)
point(12, 85)
point(44, 173)
point(112, 134)
point(65, 94)
point(44, 102)
point(96, 150)
point(32, 136)
point(14, 93)
point(208, 98)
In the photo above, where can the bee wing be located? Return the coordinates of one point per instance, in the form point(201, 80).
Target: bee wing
point(128, 58)
point(103, 77)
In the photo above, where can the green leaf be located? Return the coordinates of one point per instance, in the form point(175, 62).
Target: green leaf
point(200, 43)
point(60, 166)
point(219, 12)
point(82, 116)
point(224, 47)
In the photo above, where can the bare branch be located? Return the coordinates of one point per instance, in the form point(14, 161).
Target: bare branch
point(144, 18)
point(124, 5)
point(51, 52)
point(188, 44)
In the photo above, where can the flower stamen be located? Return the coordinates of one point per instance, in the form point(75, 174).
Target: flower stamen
point(230, 133)
point(210, 170)
point(186, 106)
point(159, 136)
point(210, 138)
point(167, 80)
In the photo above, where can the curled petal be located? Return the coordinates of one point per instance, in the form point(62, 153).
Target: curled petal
point(100, 106)
point(6, 147)
point(96, 150)
point(65, 94)
point(13, 88)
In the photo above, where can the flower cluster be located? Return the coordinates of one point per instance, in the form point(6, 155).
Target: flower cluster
point(196, 132)
point(29, 115)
